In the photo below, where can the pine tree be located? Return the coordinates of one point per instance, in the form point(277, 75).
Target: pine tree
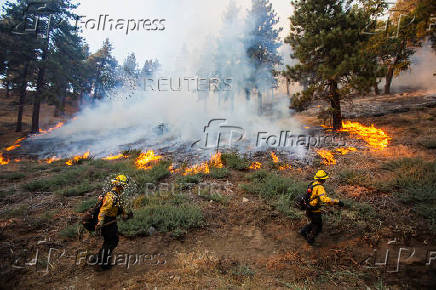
point(104, 65)
point(326, 40)
point(262, 43)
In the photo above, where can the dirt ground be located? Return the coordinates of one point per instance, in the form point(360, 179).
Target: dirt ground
point(246, 243)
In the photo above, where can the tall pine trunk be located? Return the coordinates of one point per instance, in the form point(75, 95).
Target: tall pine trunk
point(376, 89)
point(335, 103)
point(39, 90)
point(288, 83)
point(389, 77)
point(22, 99)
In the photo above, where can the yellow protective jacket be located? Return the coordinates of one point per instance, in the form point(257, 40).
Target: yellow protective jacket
point(319, 195)
point(110, 207)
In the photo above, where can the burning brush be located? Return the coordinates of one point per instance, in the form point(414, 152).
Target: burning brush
point(215, 162)
point(77, 159)
point(147, 160)
point(282, 166)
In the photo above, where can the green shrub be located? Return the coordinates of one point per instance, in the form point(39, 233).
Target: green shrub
point(350, 176)
point(153, 175)
point(86, 204)
point(70, 176)
point(414, 182)
point(7, 192)
point(234, 161)
point(269, 185)
point(243, 270)
point(37, 185)
point(20, 211)
point(164, 218)
point(217, 197)
point(219, 173)
point(70, 231)
point(12, 176)
point(42, 221)
point(285, 204)
point(79, 190)
point(187, 181)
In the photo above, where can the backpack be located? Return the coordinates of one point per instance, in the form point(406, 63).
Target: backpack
point(302, 201)
point(90, 218)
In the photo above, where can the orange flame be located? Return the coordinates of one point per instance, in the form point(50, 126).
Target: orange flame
point(255, 165)
point(76, 159)
point(274, 157)
point(173, 170)
point(52, 159)
point(327, 156)
point(146, 160)
point(345, 151)
point(375, 138)
point(215, 161)
point(285, 166)
point(3, 160)
point(276, 160)
point(15, 145)
point(58, 125)
point(114, 157)
point(197, 168)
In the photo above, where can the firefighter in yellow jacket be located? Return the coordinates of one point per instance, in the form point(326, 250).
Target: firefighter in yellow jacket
point(313, 211)
point(107, 220)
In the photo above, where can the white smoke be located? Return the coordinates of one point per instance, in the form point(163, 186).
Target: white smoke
point(167, 121)
point(420, 75)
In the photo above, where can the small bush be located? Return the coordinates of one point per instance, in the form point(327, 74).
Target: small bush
point(243, 270)
point(12, 176)
point(20, 211)
point(413, 182)
point(350, 176)
point(68, 177)
point(219, 173)
point(37, 185)
point(269, 185)
point(186, 182)
point(153, 175)
point(43, 221)
point(70, 231)
point(79, 190)
point(285, 204)
point(217, 197)
point(164, 218)
point(258, 175)
point(234, 161)
point(7, 192)
point(86, 204)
